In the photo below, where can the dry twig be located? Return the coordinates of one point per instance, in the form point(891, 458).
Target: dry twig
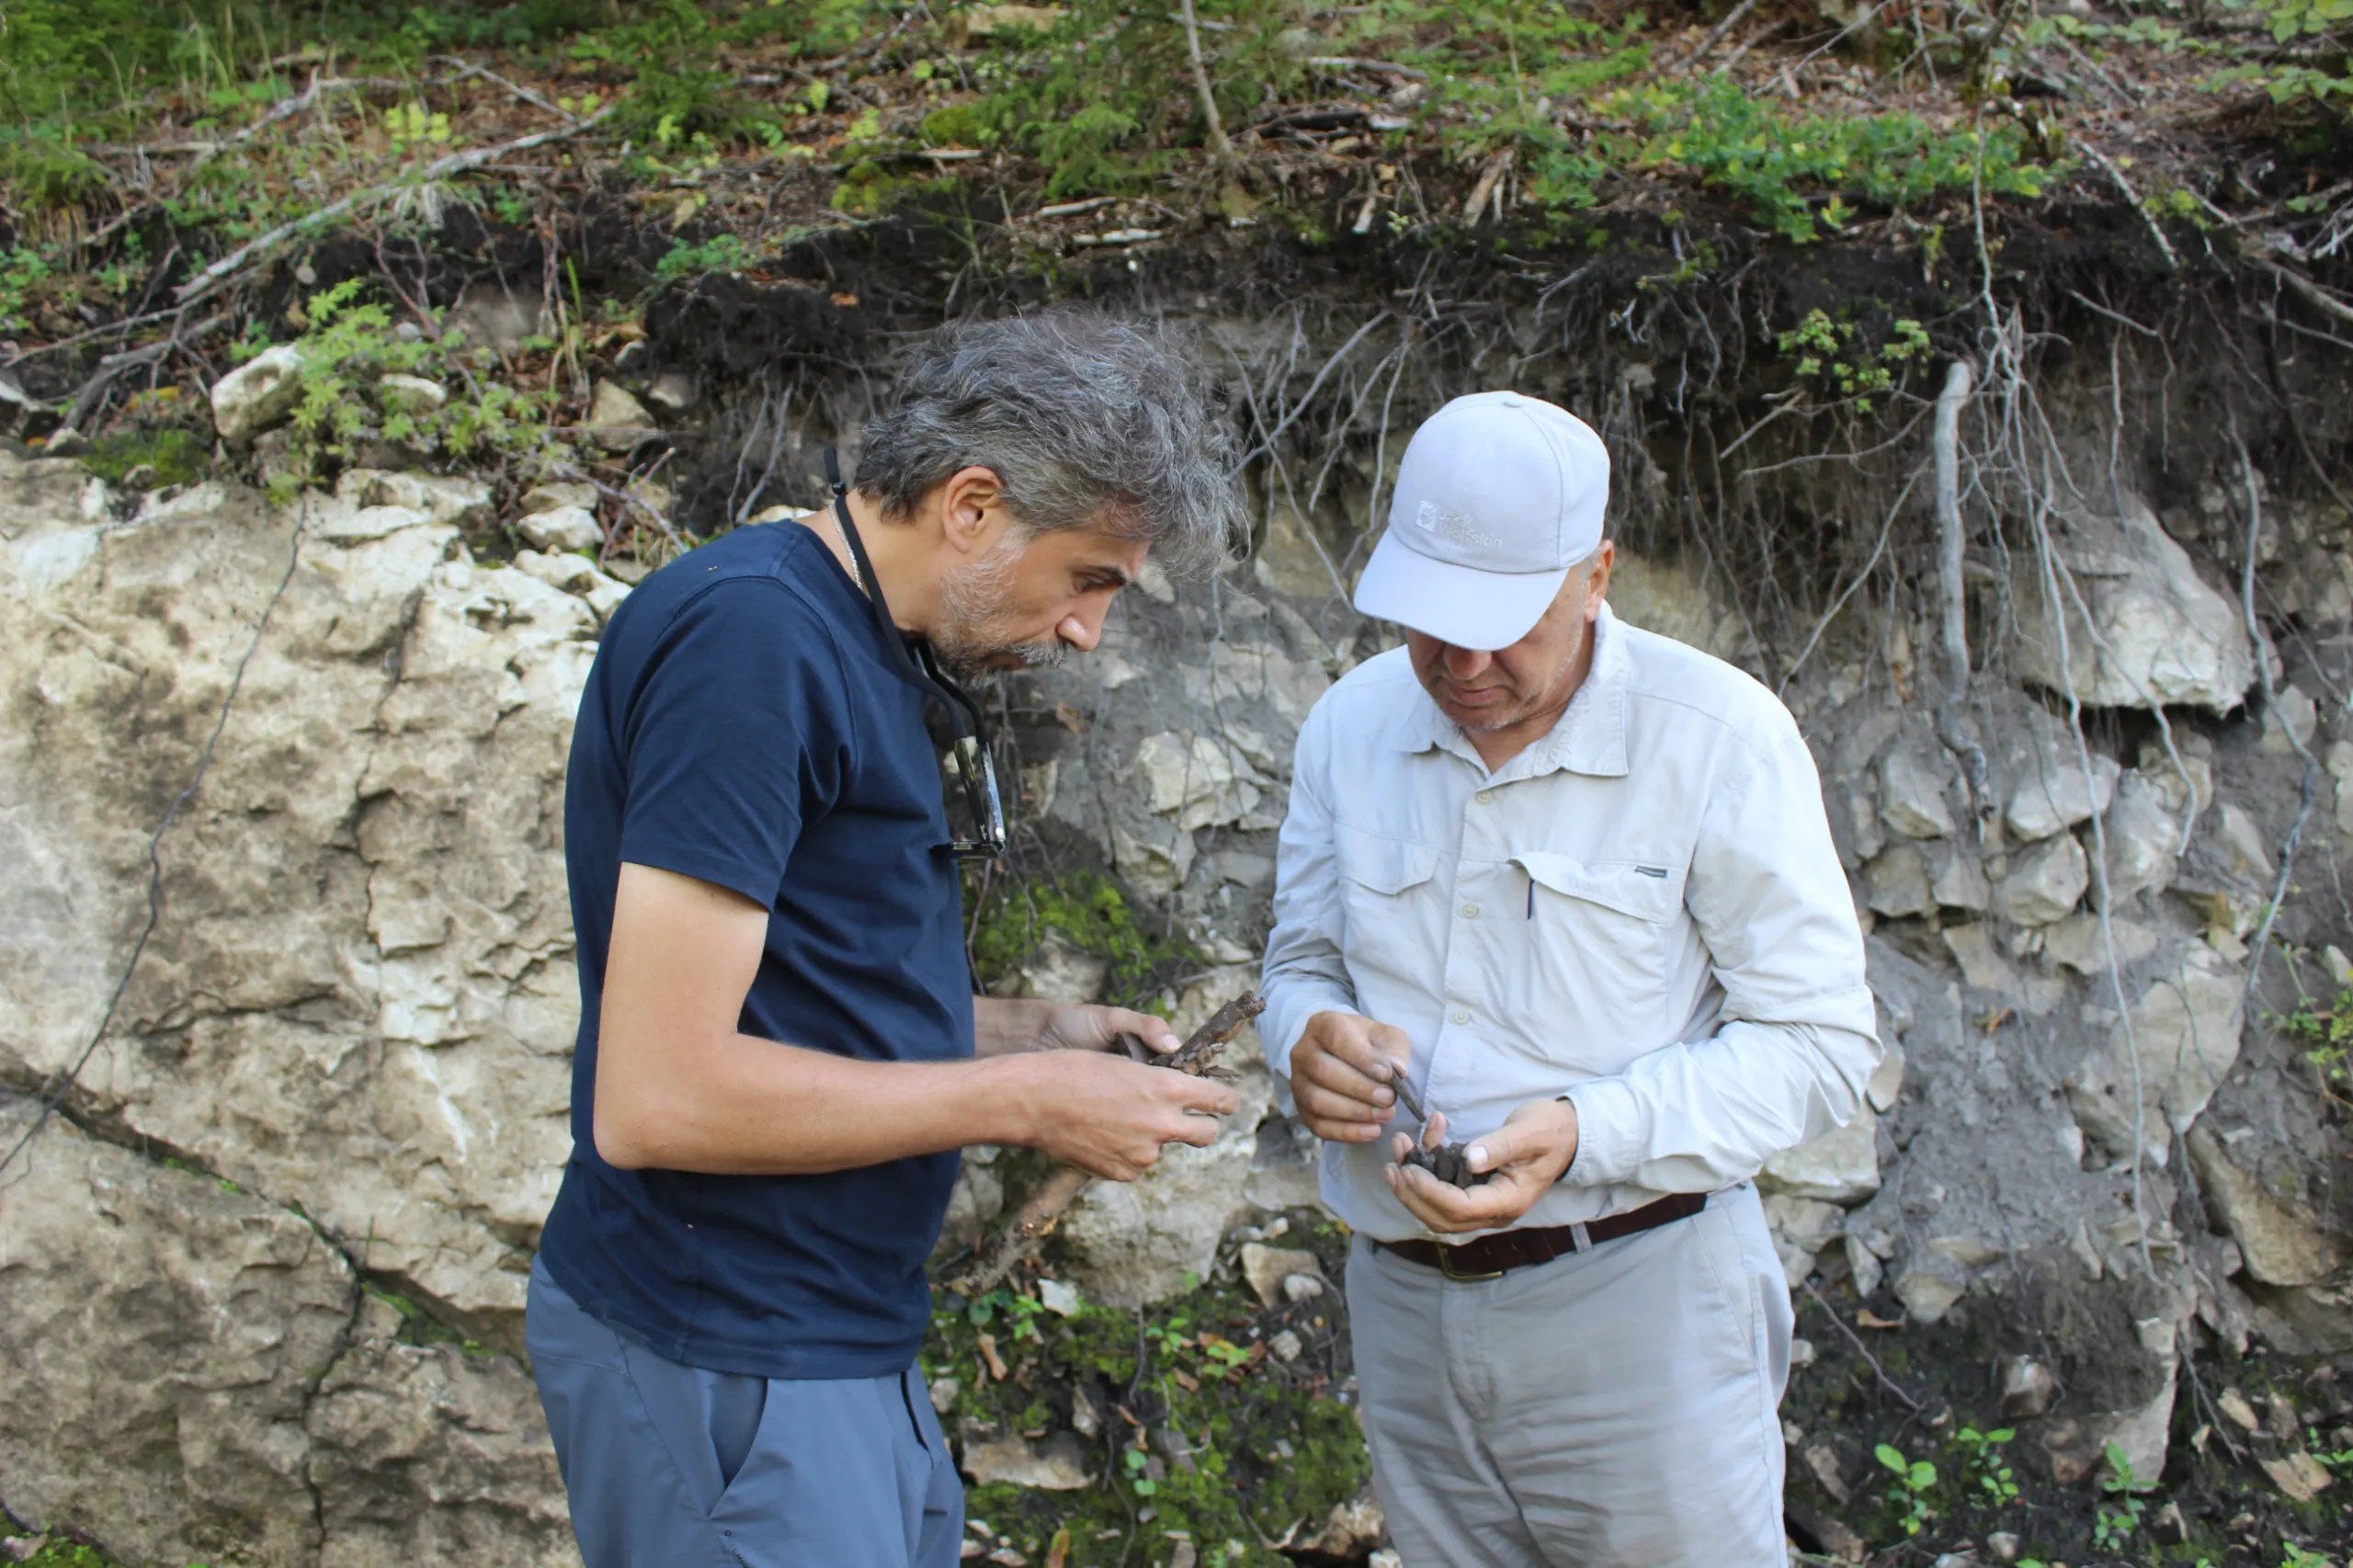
point(1004, 1252)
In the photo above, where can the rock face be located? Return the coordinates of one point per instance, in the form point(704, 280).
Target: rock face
point(359, 994)
point(249, 1405)
point(2155, 633)
point(357, 1000)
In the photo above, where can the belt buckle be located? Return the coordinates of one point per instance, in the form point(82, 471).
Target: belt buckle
point(1446, 1267)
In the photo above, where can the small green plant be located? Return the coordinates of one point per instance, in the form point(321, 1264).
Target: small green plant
point(2113, 1526)
point(22, 270)
point(409, 125)
point(2297, 1557)
point(347, 351)
point(1915, 1480)
point(1830, 356)
point(1985, 1461)
point(2327, 1034)
point(1022, 1313)
point(723, 252)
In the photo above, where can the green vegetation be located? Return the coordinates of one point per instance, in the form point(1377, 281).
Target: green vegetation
point(1984, 1462)
point(1190, 1428)
point(348, 349)
point(172, 454)
point(2117, 1520)
point(1545, 111)
point(1834, 357)
point(1915, 1481)
point(2327, 1034)
point(1089, 912)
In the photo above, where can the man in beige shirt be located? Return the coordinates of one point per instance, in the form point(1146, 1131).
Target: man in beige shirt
point(1568, 887)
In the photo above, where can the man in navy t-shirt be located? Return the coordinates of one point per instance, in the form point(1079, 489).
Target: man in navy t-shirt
point(779, 1050)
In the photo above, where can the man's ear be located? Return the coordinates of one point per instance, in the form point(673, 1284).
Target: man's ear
point(970, 507)
point(1596, 583)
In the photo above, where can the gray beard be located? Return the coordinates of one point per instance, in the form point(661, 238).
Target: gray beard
point(968, 636)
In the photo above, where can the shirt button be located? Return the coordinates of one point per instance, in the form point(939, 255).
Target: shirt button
point(1485, 797)
point(1461, 1015)
point(1469, 912)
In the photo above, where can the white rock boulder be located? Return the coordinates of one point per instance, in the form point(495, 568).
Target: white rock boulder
point(257, 394)
point(2156, 634)
point(2044, 883)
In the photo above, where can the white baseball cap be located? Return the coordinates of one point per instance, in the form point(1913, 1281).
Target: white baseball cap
point(1499, 496)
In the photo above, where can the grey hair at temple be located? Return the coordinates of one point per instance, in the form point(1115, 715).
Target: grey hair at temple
point(1085, 419)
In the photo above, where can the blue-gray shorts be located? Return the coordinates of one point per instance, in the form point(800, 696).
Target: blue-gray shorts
point(675, 1467)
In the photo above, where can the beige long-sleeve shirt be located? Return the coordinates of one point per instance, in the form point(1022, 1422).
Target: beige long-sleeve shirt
point(1642, 911)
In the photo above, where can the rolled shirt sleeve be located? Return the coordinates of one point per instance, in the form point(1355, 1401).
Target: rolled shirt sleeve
point(1797, 1037)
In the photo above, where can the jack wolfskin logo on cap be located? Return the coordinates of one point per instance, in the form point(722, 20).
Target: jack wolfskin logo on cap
point(1454, 526)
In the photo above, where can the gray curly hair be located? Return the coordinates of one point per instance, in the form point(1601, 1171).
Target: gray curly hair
point(1085, 419)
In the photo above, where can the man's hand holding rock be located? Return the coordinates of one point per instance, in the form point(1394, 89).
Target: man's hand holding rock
point(1527, 1154)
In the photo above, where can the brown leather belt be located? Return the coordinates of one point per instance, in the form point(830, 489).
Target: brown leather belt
point(1491, 1257)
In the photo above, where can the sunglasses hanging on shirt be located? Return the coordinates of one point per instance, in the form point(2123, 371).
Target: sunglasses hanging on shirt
point(975, 768)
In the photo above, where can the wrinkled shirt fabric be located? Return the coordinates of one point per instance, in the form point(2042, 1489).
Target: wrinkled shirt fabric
point(1642, 911)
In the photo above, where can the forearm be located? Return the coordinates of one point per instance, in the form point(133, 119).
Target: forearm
point(1695, 1117)
point(737, 1105)
point(1007, 1026)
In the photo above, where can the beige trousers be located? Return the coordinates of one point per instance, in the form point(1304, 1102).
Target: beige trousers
point(1612, 1409)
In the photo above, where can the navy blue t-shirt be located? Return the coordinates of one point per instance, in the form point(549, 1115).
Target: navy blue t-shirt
point(746, 724)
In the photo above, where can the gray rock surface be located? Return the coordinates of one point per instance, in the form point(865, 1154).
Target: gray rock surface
point(2157, 633)
point(2044, 883)
point(359, 995)
point(197, 1375)
point(562, 527)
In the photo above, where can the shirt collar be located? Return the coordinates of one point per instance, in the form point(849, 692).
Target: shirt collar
point(1589, 738)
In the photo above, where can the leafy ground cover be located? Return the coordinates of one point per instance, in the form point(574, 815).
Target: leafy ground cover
point(144, 144)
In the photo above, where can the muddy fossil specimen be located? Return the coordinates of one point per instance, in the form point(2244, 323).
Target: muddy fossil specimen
point(1449, 1162)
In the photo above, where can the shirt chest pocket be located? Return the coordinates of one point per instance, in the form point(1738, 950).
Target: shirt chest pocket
point(1599, 936)
point(1392, 930)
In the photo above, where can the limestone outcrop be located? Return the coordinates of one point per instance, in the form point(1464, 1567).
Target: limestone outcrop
point(290, 782)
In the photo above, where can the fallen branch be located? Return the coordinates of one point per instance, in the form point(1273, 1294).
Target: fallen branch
point(1353, 62)
point(1004, 1252)
point(1220, 143)
point(86, 401)
point(2312, 294)
point(218, 276)
point(1715, 35)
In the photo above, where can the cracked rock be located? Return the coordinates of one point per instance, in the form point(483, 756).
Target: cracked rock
point(364, 968)
point(2044, 883)
point(2058, 798)
point(2158, 634)
point(1912, 797)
